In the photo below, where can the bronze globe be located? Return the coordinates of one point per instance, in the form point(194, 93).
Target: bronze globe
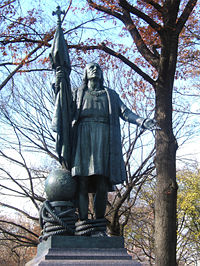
point(60, 186)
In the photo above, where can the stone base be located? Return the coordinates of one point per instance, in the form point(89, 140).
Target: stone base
point(79, 250)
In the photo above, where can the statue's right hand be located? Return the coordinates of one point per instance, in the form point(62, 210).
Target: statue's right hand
point(60, 75)
point(60, 72)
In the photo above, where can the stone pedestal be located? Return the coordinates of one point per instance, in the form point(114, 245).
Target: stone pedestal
point(79, 250)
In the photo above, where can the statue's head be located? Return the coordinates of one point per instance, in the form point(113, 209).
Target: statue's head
point(91, 71)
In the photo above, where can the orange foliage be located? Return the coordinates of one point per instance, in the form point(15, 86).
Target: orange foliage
point(21, 36)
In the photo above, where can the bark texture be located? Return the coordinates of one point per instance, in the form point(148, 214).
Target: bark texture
point(166, 146)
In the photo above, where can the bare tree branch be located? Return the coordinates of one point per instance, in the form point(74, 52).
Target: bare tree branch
point(185, 15)
point(104, 9)
point(108, 50)
point(21, 227)
point(126, 6)
point(128, 22)
point(20, 211)
point(19, 66)
point(155, 5)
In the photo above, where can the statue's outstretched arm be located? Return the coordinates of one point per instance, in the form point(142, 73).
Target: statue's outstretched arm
point(127, 115)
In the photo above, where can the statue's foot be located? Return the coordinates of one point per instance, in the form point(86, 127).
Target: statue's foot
point(95, 227)
point(98, 234)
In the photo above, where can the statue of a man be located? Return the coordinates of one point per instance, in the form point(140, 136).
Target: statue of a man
point(97, 160)
point(88, 129)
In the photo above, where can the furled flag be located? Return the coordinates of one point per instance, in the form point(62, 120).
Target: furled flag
point(62, 117)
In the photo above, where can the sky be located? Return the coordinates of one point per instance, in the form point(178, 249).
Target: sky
point(190, 150)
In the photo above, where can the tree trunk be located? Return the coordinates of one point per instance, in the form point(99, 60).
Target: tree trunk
point(165, 204)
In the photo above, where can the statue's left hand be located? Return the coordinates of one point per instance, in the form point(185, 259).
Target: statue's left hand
point(150, 124)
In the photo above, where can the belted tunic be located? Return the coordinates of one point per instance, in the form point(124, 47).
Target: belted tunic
point(97, 148)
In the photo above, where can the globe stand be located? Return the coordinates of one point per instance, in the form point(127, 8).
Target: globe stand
point(57, 218)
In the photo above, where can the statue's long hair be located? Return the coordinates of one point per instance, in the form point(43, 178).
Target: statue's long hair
point(85, 79)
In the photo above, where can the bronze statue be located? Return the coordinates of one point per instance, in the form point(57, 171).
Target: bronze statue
point(88, 128)
point(97, 153)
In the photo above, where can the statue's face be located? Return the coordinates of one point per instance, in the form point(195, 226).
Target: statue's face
point(93, 71)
